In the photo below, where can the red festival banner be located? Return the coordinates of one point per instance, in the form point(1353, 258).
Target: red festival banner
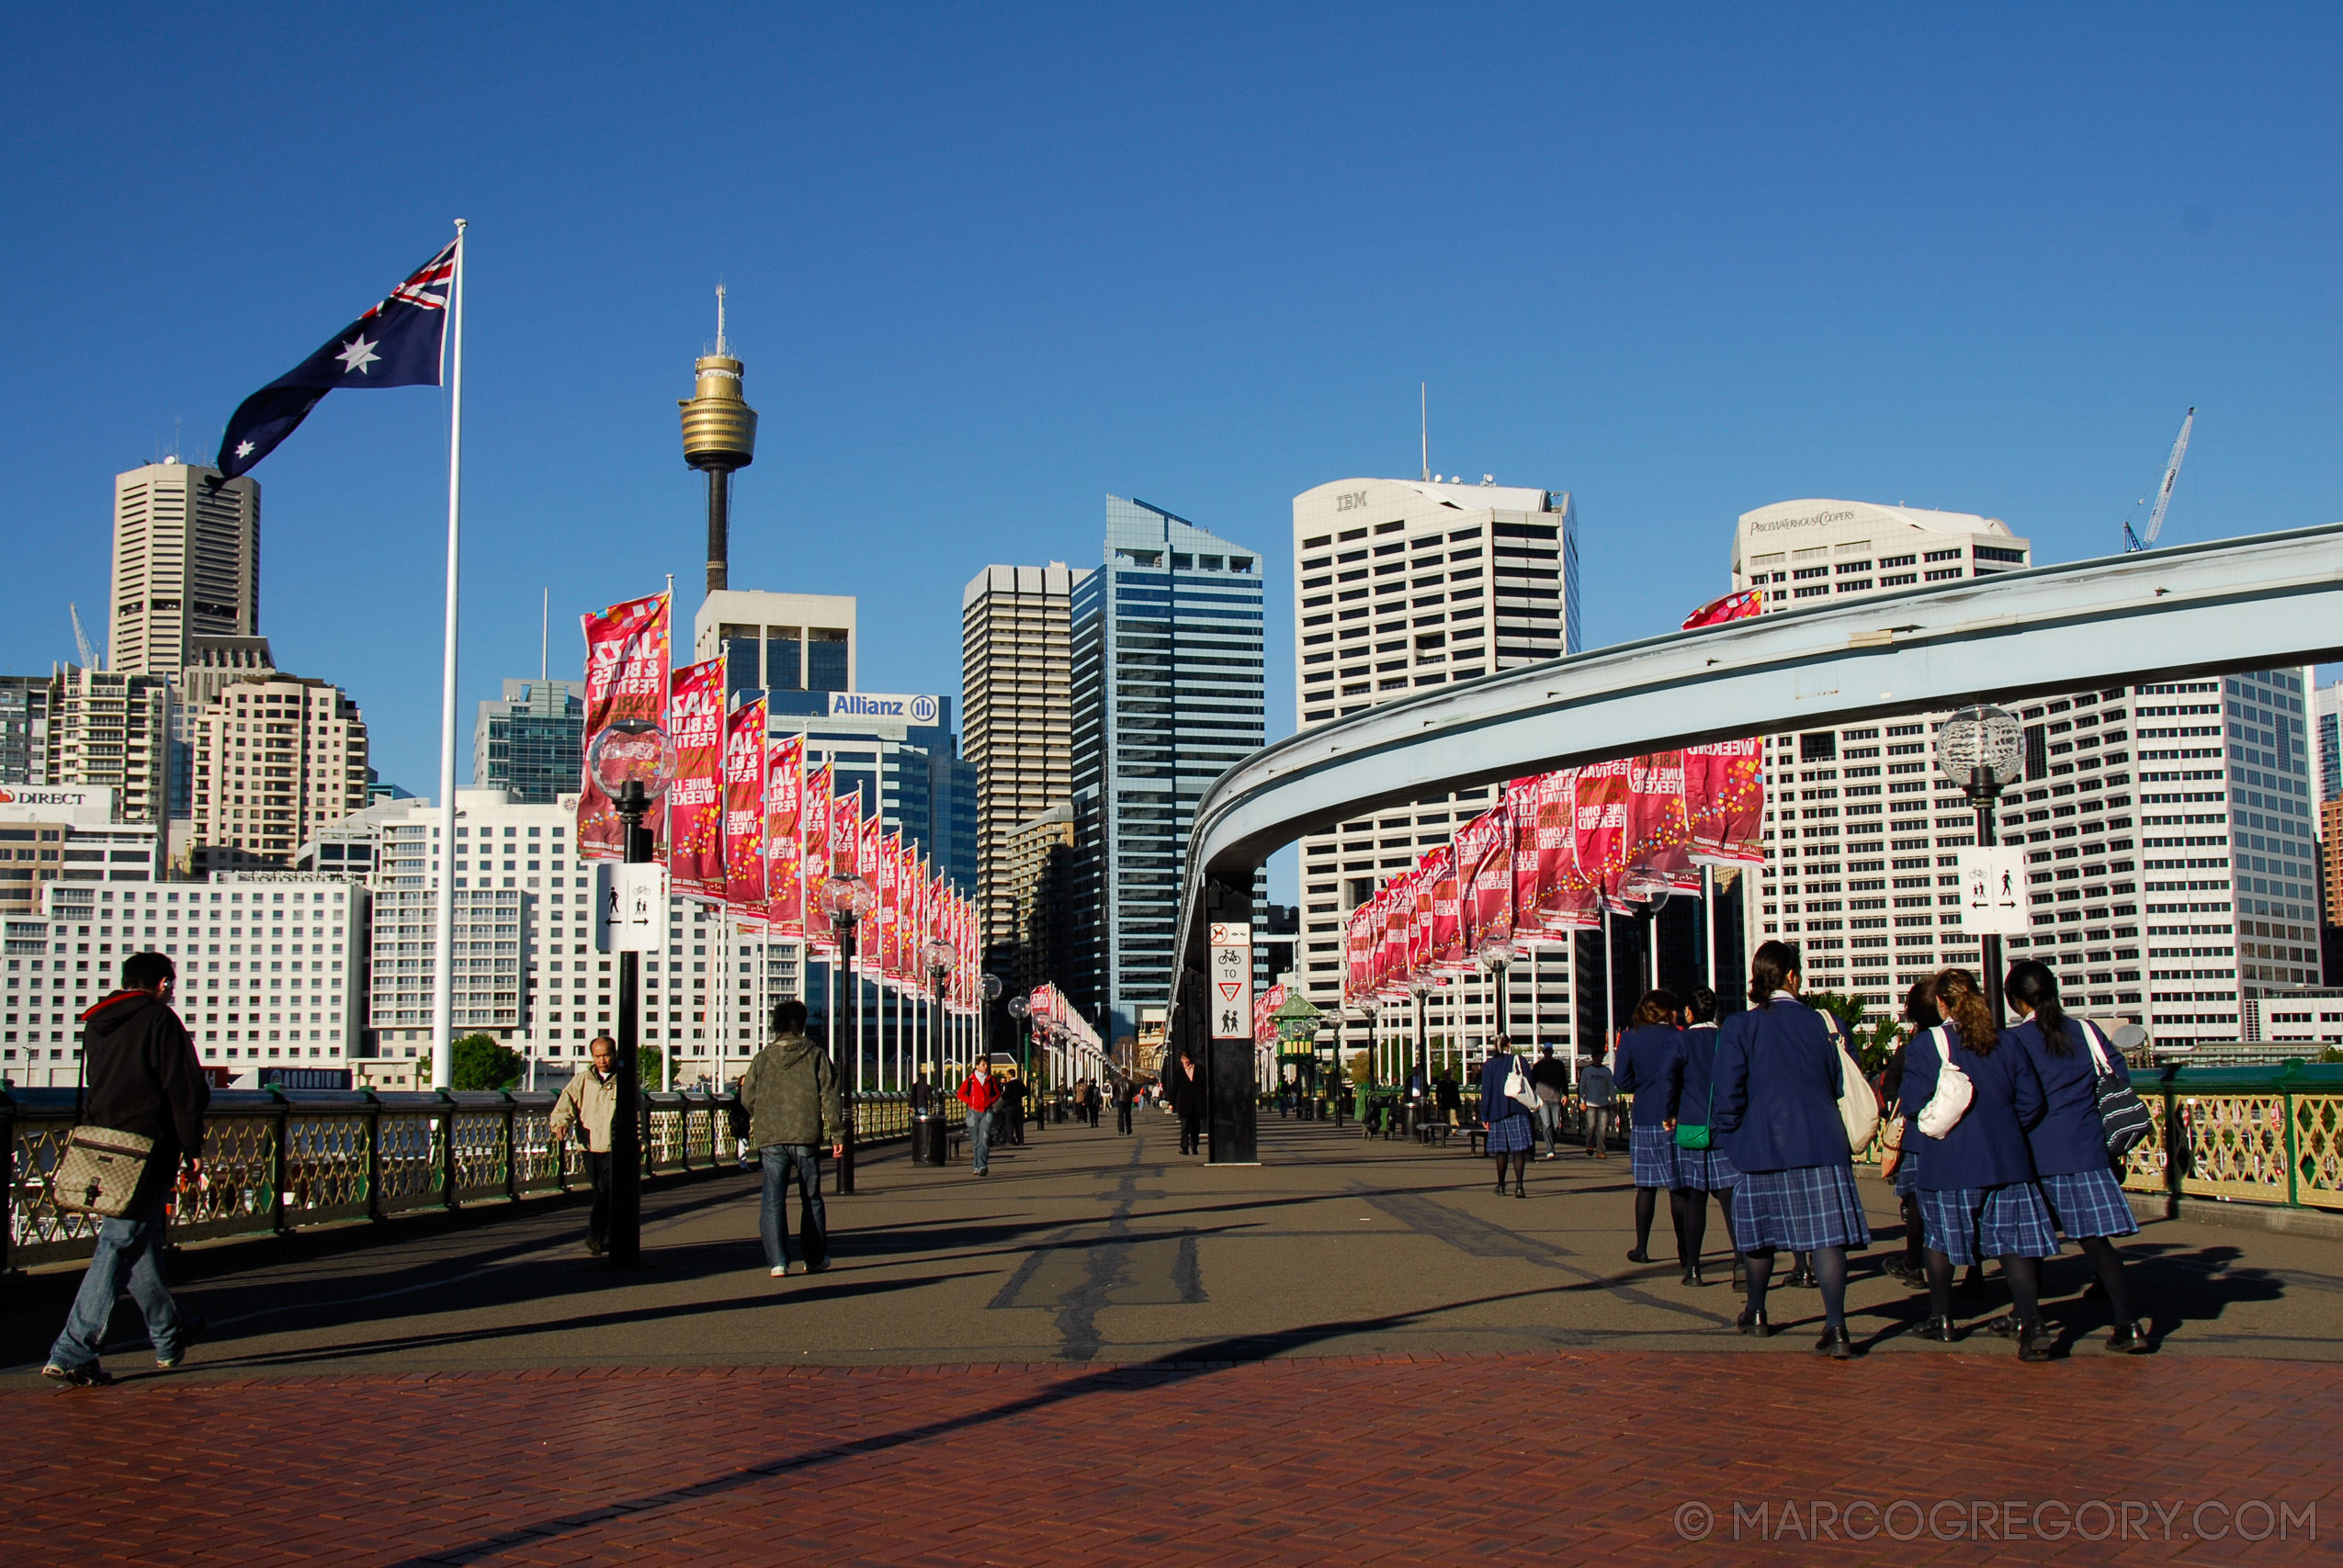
point(626, 678)
point(890, 907)
point(1658, 826)
point(745, 857)
point(814, 818)
point(1600, 825)
point(1445, 949)
point(871, 844)
point(695, 801)
point(1725, 784)
point(784, 795)
point(846, 846)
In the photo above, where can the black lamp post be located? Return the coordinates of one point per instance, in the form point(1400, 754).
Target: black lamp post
point(634, 761)
point(927, 1125)
point(1983, 749)
point(846, 899)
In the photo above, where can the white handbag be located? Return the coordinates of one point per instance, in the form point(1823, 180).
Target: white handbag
point(1517, 1087)
point(1954, 1091)
point(1858, 1106)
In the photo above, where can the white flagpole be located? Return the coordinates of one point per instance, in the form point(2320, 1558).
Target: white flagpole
point(443, 979)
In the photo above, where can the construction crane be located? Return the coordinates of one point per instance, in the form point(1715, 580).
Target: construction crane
point(81, 638)
point(2163, 495)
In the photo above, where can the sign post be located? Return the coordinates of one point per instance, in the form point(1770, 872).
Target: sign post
point(1229, 1082)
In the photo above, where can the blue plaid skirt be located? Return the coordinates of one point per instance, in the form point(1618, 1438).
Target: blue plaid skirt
point(1511, 1135)
point(2088, 1202)
point(1706, 1170)
point(1651, 1155)
point(1810, 1206)
point(1907, 1171)
point(1969, 1224)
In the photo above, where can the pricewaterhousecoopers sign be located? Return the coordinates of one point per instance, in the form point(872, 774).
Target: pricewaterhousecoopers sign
point(883, 705)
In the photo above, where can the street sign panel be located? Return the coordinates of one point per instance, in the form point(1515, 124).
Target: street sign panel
point(1993, 891)
point(1229, 971)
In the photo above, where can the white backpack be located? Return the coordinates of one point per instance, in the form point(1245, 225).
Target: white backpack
point(1954, 1091)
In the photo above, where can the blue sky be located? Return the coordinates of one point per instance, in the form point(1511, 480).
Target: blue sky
point(989, 265)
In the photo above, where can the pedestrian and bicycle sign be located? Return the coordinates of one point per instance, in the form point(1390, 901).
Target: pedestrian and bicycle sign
point(1230, 973)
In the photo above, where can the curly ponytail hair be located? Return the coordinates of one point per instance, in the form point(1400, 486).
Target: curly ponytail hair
point(2031, 982)
point(1962, 1005)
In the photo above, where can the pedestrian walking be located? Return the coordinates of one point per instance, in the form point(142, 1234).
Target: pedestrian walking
point(1596, 1096)
point(1504, 1080)
point(1126, 1094)
point(1976, 1176)
point(588, 1104)
point(1091, 1099)
point(1551, 1079)
point(140, 1076)
point(981, 1095)
point(2069, 1143)
point(1651, 1069)
point(1703, 1167)
point(1919, 1016)
point(1188, 1100)
point(1013, 1093)
point(1448, 1098)
point(788, 1109)
point(1777, 1082)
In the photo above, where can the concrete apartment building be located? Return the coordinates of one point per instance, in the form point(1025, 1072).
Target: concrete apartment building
point(1016, 683)
point(1404, 584)
point(112, 730)
point(2167, 825)
point(273, 758)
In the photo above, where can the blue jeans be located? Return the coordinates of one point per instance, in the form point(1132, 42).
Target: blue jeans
point(1549, 1122)
point(784, 1163)
point(980, 1139)
point(135, 1242)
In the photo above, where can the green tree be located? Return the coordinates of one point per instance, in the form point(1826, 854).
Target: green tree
point(1870, 1043)
point(482, 1063)
point(647, 1066)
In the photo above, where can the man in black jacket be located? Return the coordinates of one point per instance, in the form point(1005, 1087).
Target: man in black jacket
point(143, 1077)
point(1188, 1100)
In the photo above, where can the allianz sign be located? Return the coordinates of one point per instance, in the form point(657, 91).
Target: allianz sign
point(883, 705)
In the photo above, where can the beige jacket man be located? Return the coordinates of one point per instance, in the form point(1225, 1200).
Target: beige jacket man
point(591, 1099)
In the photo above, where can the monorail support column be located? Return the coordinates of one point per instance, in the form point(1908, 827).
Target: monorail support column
point(1230, 1066)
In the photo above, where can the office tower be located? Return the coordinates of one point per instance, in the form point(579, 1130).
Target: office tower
point(2327, 740)
point(2170, 875)
point(24, 729)
point(1402, 585)
point(530, 743)
point(187, 564)
point(112, 730)
point(274, 759)
point(1035, 870)
point(777, 642)
point(1016, 679)
point(1166, 650)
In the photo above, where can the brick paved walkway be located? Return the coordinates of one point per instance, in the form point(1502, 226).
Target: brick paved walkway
point(1497, 1458)
point(1353, 1353)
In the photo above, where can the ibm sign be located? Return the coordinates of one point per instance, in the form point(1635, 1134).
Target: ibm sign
point(883, 705)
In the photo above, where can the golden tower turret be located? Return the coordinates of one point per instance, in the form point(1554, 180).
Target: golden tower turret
point(719, 435)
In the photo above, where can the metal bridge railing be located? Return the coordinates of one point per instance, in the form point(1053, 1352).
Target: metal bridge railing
point(276, 1161)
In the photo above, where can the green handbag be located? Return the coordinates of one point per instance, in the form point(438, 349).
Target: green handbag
point(1694, 1136)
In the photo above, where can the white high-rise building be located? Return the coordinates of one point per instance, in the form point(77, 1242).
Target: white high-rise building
point(187, 565)
point(1399, 585)
point(2168, 830)
point(526, 971)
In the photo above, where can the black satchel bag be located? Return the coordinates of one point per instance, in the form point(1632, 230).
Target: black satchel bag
point(2122, 1113)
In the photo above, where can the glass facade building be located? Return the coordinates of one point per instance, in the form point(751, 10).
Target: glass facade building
point(530, 743)
point(1168, 692)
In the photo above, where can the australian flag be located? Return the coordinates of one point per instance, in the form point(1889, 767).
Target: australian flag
point(394, 345)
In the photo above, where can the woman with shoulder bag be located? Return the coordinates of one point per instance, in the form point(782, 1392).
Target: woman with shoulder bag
point(1976, 1175)
point(1919, 1016)
point(2069, 1144)
point(1778, 1084)
point(1702, 1165)
point(1504, 1078)
point(1651, 1069)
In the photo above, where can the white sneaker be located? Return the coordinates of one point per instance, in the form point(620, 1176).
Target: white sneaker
point(781, 1270)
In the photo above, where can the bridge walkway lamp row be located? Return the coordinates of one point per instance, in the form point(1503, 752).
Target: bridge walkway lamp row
point(1021, 1009)
point(1983, 749)
point(634, 760)
point(846, 899)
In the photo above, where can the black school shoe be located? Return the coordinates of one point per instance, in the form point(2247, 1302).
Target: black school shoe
point(1752, 1321)
point(2129, 1339)
point(1835, 1344)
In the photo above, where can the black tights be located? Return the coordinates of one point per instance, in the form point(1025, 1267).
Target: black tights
point(1647, 1207)
point(1691, 1206)
point(2024, 1275)
point(1520, 1160)
point(2109, 1266)
point(1829, 1266)
point(1915, 1228)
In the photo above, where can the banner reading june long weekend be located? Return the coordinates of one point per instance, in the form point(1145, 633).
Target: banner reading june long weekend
point(744, 819)
point(695, 801)
point(626, 678)
point(784, 791)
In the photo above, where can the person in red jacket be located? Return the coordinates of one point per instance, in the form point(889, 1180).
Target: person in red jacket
point(980, 1094)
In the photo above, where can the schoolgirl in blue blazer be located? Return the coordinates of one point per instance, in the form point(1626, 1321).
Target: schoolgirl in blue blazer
point(1651, 1067)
